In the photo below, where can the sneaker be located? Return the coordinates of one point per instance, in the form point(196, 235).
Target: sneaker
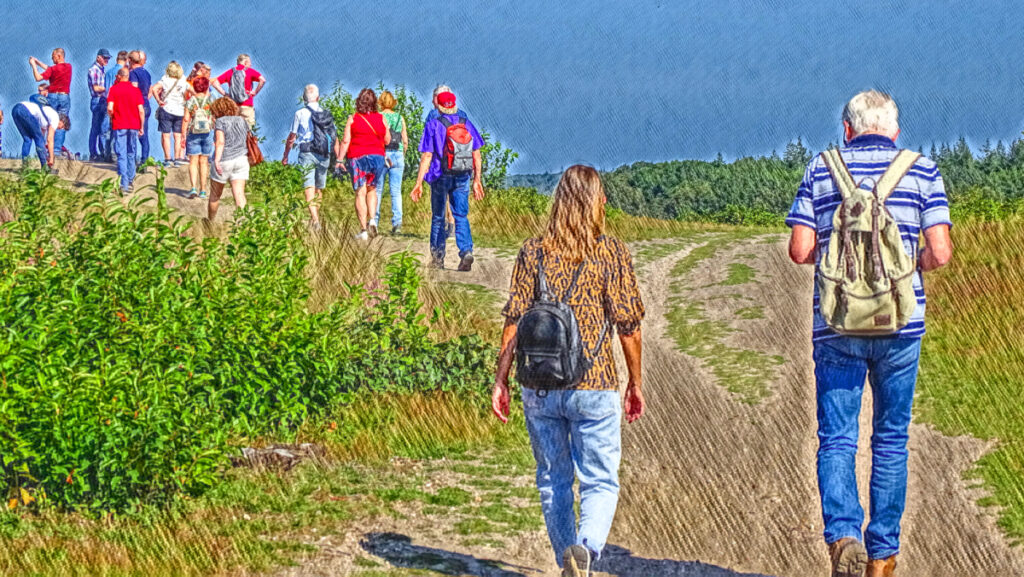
point(449, 229)
point(437, 262)
point(576, 562)
point(168, 164)
point(203, 194)
point(180, 162)
point(373, 231)
point(192, 193)
point(125, 191)
point(466, 264)
point(396, 230)
point(363, 236)
point(849, 558)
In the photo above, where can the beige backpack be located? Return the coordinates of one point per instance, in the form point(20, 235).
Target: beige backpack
point(866, 278)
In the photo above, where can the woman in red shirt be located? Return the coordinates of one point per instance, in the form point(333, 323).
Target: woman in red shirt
point(363, 145)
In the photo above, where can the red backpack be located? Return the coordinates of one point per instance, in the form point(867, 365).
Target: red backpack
point(458, 146)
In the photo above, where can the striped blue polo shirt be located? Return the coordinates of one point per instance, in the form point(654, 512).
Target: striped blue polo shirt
point(918, 203)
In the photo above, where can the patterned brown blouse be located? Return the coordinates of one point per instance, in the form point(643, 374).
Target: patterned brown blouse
point(606, 289)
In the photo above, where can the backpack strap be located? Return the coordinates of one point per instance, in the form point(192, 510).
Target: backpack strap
point(898, 168)
point(844, 182)
point(542, 279)
point(840, 173)
point(444, 121)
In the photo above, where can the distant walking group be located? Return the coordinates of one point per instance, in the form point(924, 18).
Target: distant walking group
point(859, 216)
point(372, 150)
point(120, 97)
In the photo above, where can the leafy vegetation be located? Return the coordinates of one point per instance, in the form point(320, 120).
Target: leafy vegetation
point(135, 354)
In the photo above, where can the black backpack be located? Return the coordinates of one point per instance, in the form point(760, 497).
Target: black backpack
point(549, 347)
point(396, 137)
point(324, 130)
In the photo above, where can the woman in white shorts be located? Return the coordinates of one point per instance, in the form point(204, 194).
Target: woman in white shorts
point(230, 156)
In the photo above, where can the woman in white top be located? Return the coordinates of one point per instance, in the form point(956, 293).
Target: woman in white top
point(170, 96)
point(37, 122)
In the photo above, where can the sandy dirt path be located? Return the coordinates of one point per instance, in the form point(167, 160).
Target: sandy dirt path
point(712, 487)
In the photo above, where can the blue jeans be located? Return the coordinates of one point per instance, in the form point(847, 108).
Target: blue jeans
point(30, 132)
point(453, 188)
point(840, 366)
point(576, 433)
point(62, 104)
point(394, 185)
point(124, 148)
point(98, 107)
point(144, 138)
point(107, 139)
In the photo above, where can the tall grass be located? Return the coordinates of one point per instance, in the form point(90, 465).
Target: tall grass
point(973, 357)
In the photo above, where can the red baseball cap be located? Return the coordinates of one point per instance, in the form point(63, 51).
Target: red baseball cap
point(446, 99)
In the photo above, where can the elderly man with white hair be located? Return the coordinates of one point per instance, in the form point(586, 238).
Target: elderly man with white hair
point(314, 131)
point(860, 212)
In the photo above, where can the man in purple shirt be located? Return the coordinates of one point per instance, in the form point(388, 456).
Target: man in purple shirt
point(446, 141)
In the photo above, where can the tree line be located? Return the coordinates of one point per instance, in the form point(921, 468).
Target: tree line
point(987, 184)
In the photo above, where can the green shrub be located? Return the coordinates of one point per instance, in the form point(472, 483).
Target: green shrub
point(134, 355)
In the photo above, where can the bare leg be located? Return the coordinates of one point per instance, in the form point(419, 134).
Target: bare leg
point(238, 191)
point(313, 198)
point(204, 171)
point(371, 203)
point(362, 209)
point(179, 147)
point(193, 170)
point(216, 189)
point(165, 141)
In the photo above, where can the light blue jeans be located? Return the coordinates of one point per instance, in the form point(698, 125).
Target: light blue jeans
point(576, 434)
point(394, 184)
point(840, 366)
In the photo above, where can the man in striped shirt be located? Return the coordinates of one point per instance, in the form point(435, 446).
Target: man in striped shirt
point(919, 206)
point(97, 103)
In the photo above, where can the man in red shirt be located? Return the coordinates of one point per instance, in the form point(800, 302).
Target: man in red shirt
point(244, 98)
point(125, 106)
point(59, 77)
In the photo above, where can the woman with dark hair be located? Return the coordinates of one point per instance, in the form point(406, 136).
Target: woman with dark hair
point(363, 145)
point(230, 157)
point(575, 428)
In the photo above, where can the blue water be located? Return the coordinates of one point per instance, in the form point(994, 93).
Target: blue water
point(602, 82)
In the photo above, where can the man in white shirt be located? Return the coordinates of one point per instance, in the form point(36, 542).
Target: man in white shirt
point(37, 122)
point(314, 131)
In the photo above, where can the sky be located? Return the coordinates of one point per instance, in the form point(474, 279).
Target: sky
point(605, 83)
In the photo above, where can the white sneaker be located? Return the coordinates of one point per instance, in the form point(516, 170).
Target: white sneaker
point(363, 236)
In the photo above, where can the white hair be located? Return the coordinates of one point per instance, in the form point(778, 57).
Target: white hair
point(242, 58)
point(440, 88)
point(311, 94)
point(872, 111)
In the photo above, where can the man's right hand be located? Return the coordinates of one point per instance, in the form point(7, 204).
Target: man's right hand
point(284, 161)
point(417, 192)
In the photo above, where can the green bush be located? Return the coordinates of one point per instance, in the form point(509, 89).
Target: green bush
point(135, 355)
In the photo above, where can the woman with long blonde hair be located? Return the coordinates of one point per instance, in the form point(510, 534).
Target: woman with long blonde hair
point(575, 426)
